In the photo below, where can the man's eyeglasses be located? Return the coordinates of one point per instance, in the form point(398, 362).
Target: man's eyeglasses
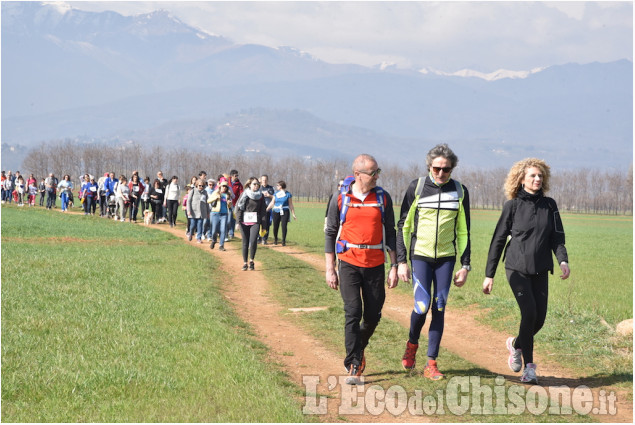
point(439, 169)
point(371, 173)
point(200, 185)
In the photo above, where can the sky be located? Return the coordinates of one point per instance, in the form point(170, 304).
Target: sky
point(446, 36)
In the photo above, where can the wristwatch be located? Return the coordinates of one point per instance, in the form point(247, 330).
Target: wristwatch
point(394, 265)
point(467, 267)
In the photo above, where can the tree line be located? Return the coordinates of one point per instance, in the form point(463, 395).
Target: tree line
point(582, 190)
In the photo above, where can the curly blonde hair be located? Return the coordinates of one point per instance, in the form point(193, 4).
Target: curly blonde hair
point(516, 175)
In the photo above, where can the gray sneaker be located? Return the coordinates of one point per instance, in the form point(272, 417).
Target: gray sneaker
point(354, 375)
point(514, 361)
point(529, 374)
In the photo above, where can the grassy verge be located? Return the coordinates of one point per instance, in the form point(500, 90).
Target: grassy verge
point(297, 284)
point(599, 291)
point(109, 322)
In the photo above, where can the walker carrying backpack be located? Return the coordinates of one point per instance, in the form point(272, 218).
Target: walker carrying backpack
point(342, 246)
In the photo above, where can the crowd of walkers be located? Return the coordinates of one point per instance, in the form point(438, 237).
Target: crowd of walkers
point(424, 245)
point(214, 207)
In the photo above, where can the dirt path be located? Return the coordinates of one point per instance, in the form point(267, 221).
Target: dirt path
point(303, 356)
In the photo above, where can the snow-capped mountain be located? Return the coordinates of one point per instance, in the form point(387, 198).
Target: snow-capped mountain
point(490, 76)
point(70, 73)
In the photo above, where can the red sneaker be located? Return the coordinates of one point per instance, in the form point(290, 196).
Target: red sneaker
point(409, 358)
point(431, 371)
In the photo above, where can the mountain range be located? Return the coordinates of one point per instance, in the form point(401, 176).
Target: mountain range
point(107, 78)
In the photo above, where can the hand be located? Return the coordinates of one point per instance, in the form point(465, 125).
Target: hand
point(294, 217)
point(460, 277)
point(331, 279)
point(403, 271)
point(565, 271)
point(487, 285)
point(393, 279)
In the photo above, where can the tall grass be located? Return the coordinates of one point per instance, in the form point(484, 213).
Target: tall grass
point(109, 322)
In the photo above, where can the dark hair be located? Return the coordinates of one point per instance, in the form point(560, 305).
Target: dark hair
point(201, 173)
point(282, 184)
point(174, 177)
point(233, 173)
point(146, 178)
point(156, 181)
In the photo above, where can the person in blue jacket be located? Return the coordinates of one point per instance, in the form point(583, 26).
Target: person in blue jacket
point(282, 207)
point(109, 186)
point(89, 193)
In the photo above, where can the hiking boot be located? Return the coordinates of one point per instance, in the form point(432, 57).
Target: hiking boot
point(354, 375)
point(431, 371)
point(275, 241)
point(245, 267)
point(514, 361)
point(529, 374)
point(221, 248)
point(211, 246)
point(251, 265)
point(408, 360)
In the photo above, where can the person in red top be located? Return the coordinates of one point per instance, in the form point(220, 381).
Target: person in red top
point(237, 189)
point(365, 232)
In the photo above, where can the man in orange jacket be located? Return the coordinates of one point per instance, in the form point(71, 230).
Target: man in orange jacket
point(360, 227)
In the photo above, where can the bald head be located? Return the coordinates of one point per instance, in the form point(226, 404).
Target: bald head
point(363, 162)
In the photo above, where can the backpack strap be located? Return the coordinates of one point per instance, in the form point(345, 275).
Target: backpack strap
point(459, 189)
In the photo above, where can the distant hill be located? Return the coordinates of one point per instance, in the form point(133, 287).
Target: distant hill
point(151, 78)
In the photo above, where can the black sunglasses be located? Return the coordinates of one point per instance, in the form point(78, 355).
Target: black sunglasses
point(372, 173)
point(444, 169)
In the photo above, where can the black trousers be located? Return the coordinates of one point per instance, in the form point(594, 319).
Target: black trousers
point(532, 294)
point(172, 209)
point(250, 240)
point(277, 221)
point(134, 207)
point(50, 199)
point(363, 293)
point(157, 210)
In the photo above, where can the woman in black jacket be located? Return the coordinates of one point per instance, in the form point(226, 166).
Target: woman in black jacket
point(251, 213)
point(533, 222)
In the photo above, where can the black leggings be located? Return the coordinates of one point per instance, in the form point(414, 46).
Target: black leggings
point(277, 218)
point(532, 293)
point(173, 209)
point(157, 210)
point(134, 207)
point(250, 240)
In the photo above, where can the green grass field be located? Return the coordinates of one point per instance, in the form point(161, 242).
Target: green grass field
point(104, 322)
point(110, 322)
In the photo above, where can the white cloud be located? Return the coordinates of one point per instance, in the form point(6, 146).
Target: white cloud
point(445, 35)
